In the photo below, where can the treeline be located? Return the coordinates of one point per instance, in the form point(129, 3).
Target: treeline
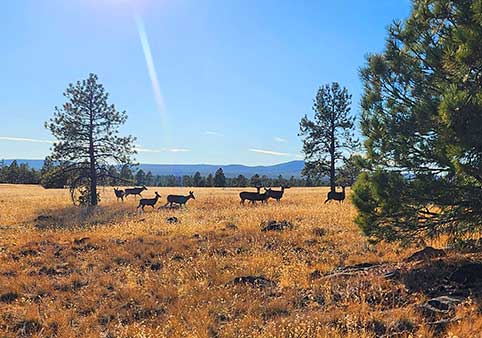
point(217, 179)
point(18, 173)
point(52, 176)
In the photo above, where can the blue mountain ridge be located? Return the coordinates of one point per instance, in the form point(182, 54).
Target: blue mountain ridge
point(286, 169)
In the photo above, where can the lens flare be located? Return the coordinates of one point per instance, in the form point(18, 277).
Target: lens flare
point(151, 67)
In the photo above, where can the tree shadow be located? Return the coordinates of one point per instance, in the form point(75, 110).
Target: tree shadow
point(74, 217)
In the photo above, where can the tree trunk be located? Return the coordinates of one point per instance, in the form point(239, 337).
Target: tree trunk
point(332, 154)
point(332, 166)
point(93, 171)
point(93, 182)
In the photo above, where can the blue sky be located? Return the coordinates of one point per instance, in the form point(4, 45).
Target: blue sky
point(235, 76)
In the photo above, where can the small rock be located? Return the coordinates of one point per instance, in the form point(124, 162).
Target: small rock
point(177, 258)
point(156, 266)
point(172, 220)
point(28, 252)
point(257, 281)
point(8, 297)
point(44, 218)
point(316, 274)
point(377, 326)
point(444, 303)
point(276, 226)
point(440, 305)
point(320, 232)
point(81, 240)
point(426, 254)
point(231, 226)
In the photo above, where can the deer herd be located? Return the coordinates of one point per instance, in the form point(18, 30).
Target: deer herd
point(251, 196)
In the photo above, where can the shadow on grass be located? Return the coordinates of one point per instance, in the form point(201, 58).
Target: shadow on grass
point(82, 217)
point(442, 277)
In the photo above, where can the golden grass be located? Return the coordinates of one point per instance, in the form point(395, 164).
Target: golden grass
point(117, 272)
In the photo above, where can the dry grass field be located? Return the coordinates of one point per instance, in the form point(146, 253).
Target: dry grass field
point(115, 272)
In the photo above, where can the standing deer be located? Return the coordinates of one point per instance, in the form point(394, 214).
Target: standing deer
point(148, 201)
point(134, 191)
point(119, 193)
point(276, 194)
point(336, 196)
point(179, 199)
point(254, 196)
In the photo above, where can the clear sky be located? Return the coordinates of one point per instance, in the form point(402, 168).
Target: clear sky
point(234, 77)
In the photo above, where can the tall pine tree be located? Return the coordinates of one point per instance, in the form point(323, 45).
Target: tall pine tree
point(87, 131)
point(329, 136)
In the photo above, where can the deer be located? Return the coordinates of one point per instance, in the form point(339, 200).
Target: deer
point(119, 193)
point(254, 196)
point(336, 196)
point(148, 201)
point(134, 191)
point(179, 199)
point(277, 194)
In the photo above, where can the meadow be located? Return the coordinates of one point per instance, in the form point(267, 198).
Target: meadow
point(209, 270)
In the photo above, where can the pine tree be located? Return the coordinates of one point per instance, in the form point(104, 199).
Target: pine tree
point(140, 177)
point(86, 129)
point(241, 181)
point(422, 117)
point(255, 181)
point(209, 182)
point(351, 169)
point(126, 174)
point(219, 178)
point(150, 179)
point(330, 134)
point(196, 180)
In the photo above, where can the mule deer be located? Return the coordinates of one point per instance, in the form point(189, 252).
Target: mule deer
point(179, 199)
point(119, 193)
point(254, 196)
point(336, 196)
point(134, 191)
point(148, 201)
point(276, 194)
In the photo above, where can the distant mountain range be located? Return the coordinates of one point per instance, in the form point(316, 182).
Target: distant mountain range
point(287, 169)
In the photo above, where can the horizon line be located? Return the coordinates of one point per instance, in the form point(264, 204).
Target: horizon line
point(195, 164)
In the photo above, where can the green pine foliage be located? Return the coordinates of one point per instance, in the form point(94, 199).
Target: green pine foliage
point(422, 118)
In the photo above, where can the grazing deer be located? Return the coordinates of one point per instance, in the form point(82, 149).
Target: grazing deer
point(134, 191)
point(336, 196)
point(119, 193)
point(148, 201)
point(254, 196)
point(276, 194)
point(179, 199)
